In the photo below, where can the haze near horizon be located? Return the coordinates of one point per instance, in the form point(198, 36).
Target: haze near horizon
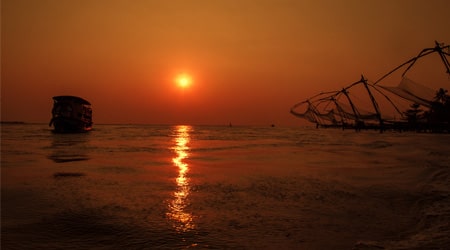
point(245, 62)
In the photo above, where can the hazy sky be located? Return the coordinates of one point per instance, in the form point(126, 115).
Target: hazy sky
point(250, 60)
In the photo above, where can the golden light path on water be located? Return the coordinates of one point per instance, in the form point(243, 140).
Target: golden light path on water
point(183, 221)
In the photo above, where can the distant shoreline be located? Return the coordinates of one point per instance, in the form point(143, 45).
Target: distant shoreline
point(150, 124)
point(12, 122)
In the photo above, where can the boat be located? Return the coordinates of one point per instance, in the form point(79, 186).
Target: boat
point(71, 114)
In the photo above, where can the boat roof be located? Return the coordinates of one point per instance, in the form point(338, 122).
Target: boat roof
point(71, 98)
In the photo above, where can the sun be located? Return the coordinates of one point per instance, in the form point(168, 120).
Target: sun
point(183, 81)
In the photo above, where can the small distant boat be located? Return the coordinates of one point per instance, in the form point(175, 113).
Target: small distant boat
point(71, 114)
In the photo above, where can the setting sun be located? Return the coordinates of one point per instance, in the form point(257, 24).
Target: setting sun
point(183, 81)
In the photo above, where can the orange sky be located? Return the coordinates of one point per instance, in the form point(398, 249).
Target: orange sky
point(250, 60)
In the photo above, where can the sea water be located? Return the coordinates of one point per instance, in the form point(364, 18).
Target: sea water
point(220, 187)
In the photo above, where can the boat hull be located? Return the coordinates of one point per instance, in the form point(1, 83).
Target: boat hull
point(69, 125)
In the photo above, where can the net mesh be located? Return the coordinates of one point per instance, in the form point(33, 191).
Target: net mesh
point(372, 105)
point(412, 91)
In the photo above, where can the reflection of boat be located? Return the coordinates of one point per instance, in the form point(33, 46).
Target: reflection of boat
point(69, 148)
point(71, 114)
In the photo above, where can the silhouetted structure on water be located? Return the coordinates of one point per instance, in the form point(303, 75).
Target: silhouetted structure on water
point(377, 106)
point(71, 114)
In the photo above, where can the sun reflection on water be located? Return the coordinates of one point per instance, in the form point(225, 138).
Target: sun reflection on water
point(183, 221)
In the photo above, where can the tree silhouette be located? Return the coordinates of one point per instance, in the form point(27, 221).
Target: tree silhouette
point(439, 114)
point(412, 114)
point(441, 96)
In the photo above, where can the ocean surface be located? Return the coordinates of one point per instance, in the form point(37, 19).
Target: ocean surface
point(212, 187)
